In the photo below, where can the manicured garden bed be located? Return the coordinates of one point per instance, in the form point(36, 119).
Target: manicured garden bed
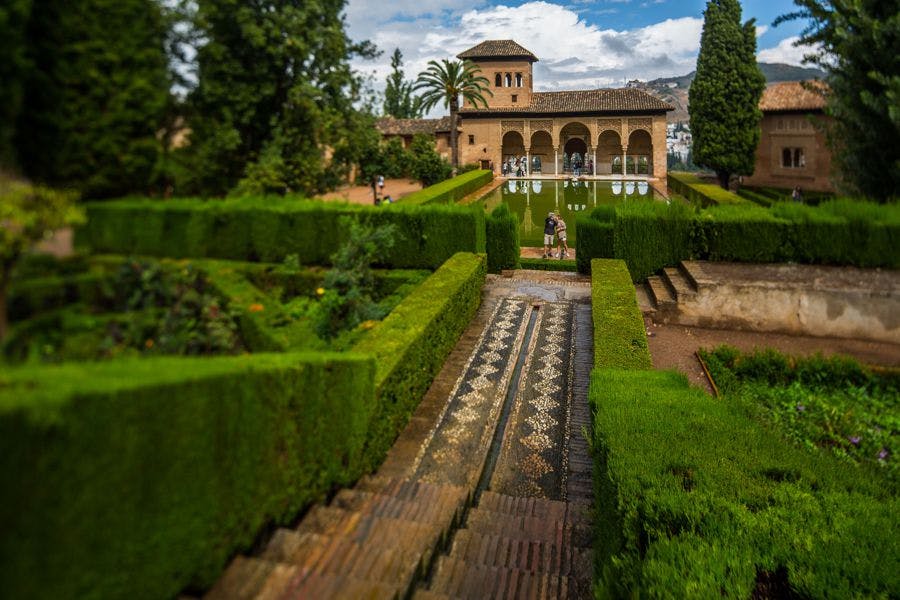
point(706, 497)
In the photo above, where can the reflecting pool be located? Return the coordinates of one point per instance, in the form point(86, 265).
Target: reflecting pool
point(531, 200)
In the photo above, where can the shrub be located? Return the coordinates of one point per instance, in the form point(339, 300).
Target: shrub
point(502, 230)
point(543, 264)
point(141, 477)
point(653, 235)
point(410, 345)
point(267, 230)
point(595, 239)
point(700, 193)
point(619, 335)
point(448, 192)
point(427, 165)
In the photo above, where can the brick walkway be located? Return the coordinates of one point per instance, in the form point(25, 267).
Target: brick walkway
point(486, 494)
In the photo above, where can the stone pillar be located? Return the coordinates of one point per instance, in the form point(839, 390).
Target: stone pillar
point(624, 161)
point(528, 162)
point(594, 162)
point(555, 161)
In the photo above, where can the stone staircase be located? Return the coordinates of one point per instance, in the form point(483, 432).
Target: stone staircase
point(662, 293)
point(516, 547)
point(373, 541)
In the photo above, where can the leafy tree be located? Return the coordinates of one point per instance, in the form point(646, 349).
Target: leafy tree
point(725, 93)
point(399, 100)
point(427, 165)
point(446, 82)
point(28, 215)
point(275, 97)
point(13, 68)
point(95, 95)
point(858, 46)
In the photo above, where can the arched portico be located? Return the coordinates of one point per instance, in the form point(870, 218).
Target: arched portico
point(574, 137)
point(639, 160)
point(513, 146)
point(541, 152)
point(609, 153)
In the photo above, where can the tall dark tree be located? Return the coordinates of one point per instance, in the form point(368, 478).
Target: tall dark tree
point(274, 102)
point(95, 95)
point(13, 69)
point(445, 82)
point(725, 93)
point(857, 43)
point(399, 100)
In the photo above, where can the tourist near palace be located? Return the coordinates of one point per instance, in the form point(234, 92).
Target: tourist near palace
point(592, 133)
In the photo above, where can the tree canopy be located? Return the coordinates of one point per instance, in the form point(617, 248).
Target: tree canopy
point(399, 100)
point(857, 43)
point(725, 93)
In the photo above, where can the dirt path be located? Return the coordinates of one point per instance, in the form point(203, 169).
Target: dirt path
point(362, 194)
point(674, 347)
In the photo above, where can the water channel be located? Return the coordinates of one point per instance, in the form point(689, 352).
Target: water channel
point(532, 199)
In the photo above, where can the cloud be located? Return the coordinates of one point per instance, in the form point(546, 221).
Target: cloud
point(573, 53)
point(787, 51)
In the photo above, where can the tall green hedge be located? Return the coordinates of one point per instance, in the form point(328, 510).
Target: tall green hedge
point(268, 229)
point(136, 478)
point(620, 340)
point(447, 192)
point(502, 228)
point(410, 345)
point(702, 193)
point(650, 236)
point(700, 500)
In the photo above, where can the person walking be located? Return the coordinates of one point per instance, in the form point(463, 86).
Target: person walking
point(381, 185)
point(563, 246)
point(549, 232)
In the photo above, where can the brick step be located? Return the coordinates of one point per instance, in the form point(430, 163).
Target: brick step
point(521, 507)
point(429, 503)
point(523, 528)
point(242, 580)
point(676, 280)
point(459, 579)
point(331, 587)
point(660, 293)
point(536, 556)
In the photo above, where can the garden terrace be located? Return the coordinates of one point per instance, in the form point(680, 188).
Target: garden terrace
point(700, 496)
point(164, 467)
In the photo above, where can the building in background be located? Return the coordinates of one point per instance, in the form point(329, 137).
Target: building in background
point(405, 129)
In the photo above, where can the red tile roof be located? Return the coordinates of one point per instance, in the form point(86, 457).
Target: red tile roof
point(793, 95)
point(497, 49)
point(392, 126)
point(601, 100)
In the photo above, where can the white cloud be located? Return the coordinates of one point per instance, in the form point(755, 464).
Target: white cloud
point(761, 30)
point(786, 52)
point(573, 53)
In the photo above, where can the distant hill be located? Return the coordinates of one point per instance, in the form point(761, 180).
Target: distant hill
point(674, 90)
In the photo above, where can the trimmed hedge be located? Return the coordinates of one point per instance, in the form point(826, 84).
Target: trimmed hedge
point(620, 338)
point(267, 230)
point(136, 478)
point(700, 500)
point(448, 192)
point(655, 235)
point(35, 296)
point(547, 264)
point(410, 345)
point(502, 229)
point(700, 192)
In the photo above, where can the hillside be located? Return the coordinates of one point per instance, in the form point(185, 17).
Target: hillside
point(674, 90)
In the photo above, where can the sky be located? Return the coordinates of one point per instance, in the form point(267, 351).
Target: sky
point(581, 44)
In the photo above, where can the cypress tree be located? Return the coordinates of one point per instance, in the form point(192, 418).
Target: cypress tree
point(95, 95)
point(13, 68)
point(725, 93)
point(399, 100)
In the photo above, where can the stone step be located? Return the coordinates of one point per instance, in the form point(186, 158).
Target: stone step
point(459, 579)
point(242, 580)
point(676, 280)
point(426, 503)
point(328, 520)
point(660, 293)
point(320, 586)
point(521, 507)
point(642, 293)
point(493, 550)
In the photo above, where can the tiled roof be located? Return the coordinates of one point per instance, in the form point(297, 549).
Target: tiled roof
point(392, 126)
point(497, 49)
point(792, 95)
point(602, 100)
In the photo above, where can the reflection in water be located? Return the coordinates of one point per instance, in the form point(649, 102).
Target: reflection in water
point(532, 200)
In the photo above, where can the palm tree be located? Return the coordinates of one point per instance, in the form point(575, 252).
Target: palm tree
point(445, 82)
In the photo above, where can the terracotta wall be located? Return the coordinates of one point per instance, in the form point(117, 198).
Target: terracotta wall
point(792, 130)
point(503, 95)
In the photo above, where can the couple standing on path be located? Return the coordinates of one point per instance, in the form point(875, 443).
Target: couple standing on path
point(554, 224)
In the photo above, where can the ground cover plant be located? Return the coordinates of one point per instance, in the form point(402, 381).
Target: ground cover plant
point(706, 497)
point(833, 404)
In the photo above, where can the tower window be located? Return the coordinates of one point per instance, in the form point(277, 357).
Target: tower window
point(515, 98)
point(471, 140)
point(498, 80)
point(508, 80)
point(518, 80)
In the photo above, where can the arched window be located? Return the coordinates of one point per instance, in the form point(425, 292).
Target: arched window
point(786, 158)
point(508, 81)
point(518, 80)
point(617, 165)
point(799, 159)
point(498, 80)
